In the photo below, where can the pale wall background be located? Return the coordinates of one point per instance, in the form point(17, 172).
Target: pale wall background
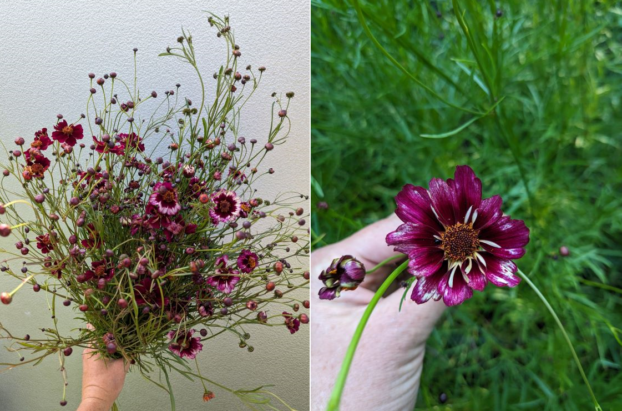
point(46, 50)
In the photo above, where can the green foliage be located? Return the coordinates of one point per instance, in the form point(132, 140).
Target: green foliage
point(387, 79)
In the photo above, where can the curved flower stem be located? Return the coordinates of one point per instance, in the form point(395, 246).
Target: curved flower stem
point(561, 327)
point(388, 260)
point(335, 398)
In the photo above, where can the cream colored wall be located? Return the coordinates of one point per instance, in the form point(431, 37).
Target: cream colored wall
point(46, 51)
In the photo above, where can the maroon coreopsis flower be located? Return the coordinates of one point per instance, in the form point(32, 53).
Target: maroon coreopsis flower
point(247, 261)
point(136, 223)
point(165, 199)
point(131, 140)
point(94, 240)
point(195, 187)
point(148, 292)
point(175, 227)
point(344, 273)
point(455, 241)
point(226, 278)
point(36, 166)
point(56, 269)
point(245, 208)
point(184, 344)
point(101, 272)
point(292, 323)
point(226, 206)
point(67, 133)
point(42, 141)
point(204, 303)
point(103, 147)
point(44, 244)
point(236, 175)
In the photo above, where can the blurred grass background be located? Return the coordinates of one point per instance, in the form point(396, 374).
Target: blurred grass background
point(551, 148)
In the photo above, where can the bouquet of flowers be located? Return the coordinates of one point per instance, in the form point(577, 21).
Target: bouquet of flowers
point(158, 255)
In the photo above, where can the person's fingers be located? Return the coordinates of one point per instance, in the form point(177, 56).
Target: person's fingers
point(370, 242)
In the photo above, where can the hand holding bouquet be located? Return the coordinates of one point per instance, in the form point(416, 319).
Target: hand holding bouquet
point(150, 227)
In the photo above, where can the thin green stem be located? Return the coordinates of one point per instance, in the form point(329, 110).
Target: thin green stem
point(335, 398)
point(421, 84)
point(561, 327)
point(384, 262)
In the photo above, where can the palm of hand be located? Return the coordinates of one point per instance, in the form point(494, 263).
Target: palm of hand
point(388, 362)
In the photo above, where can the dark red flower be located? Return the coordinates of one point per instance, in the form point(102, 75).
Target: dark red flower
point(94, 240)
point(44, 244)
point(41, 141)
point(247, 261)
point(67, 133)
point(226, 206)
point(131, 140)
point(236, 175)
point(204, 302)
point(36, 165)
point(226, 278)
point(165, 199)
point(455, 241)
point(148, 292)
point(103, 147)
point(292, 323)
point(195, 187)
point(57, 269)
point(184, 344)
point(102, 270)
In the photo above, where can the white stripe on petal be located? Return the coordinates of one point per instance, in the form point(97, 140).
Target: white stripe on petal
point(468, 269)
point(481, 259)
point(468, 214)
point(490, 243)
point(451, 277)
point(474, 216)
point(434, 211)
point(466, 278)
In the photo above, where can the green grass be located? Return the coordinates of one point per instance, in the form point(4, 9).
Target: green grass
point(412, 107)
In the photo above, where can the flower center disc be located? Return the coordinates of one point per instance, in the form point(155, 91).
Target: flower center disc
point(67, 130)
point(459, 242)
point(169, 197)
point(224, 206)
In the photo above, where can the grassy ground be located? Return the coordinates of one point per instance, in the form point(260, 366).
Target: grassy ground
point(411, 107)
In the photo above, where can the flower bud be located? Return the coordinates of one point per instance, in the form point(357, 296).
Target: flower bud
point(5, 230)
point(344, 273)
point(6, 298)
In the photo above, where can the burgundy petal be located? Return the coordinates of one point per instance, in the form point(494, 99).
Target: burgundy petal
point(426, 288)
point(414, 206)
point(409, 236)
point(507, 234)
point(327, 293)
point(488, 212)
point(500, 272)
point(354, 272)
point(477, 280)
point(458, 292)
point(443, 201)
point(467, 191)
point(425, 261)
